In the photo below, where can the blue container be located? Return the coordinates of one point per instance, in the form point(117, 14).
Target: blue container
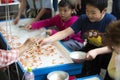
point(41, 73)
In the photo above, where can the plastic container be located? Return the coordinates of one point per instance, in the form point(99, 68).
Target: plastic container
point(29, 75)
point(41, 73)
point(58, 75)
point(78, 56)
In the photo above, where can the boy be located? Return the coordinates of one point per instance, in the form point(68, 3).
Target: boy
point(92, 26)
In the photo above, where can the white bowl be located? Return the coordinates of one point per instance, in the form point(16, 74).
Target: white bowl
point(58, 75)
point(78, 56)
point(22, 25)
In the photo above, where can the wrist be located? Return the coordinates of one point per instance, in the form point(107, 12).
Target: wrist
point(48, 40)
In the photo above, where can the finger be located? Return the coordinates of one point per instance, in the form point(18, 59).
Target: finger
point(48, 32)
point(39, 42)
point(27, 27)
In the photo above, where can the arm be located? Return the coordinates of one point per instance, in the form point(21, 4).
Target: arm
point(93, 53)
point(45, 5)
point(7, 57)
point(40, 14)
point(22, 7)
point(43, 23)
point(58, 36)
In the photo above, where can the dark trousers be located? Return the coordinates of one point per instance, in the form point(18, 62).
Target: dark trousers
point(3, 75)
point(93, 67)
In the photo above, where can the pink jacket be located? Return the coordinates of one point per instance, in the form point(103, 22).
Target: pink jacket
point(61, 25)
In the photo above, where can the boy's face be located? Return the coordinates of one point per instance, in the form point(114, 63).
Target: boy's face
point(65, 13)
point(94, 13)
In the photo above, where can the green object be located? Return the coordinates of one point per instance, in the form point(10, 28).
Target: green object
point(29, 69)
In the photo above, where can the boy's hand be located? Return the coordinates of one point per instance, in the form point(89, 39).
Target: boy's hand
point(91, 55)
point(28, 27)
point(49, 32)
point(43, 41)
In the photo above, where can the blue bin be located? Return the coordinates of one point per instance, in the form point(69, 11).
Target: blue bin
point(41, 73)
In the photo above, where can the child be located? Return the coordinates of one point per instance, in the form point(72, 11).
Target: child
point(112, 40)
point(92, 26)
point(63, 20)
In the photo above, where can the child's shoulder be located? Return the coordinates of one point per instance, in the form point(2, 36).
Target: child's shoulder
point(83, 16)
point(109, 16)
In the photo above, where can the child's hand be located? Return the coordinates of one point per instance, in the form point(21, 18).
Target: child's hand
point(43, 41)
point(91, 55)
point(49, 32)
point(28, 27)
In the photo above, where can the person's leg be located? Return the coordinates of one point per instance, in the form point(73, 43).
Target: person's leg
point(73, 45)
point(3, 75)
point(47, 5)
point(48, 14)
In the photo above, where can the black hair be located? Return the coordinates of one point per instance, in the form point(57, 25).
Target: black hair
point(69, 3)
point(100, 4)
